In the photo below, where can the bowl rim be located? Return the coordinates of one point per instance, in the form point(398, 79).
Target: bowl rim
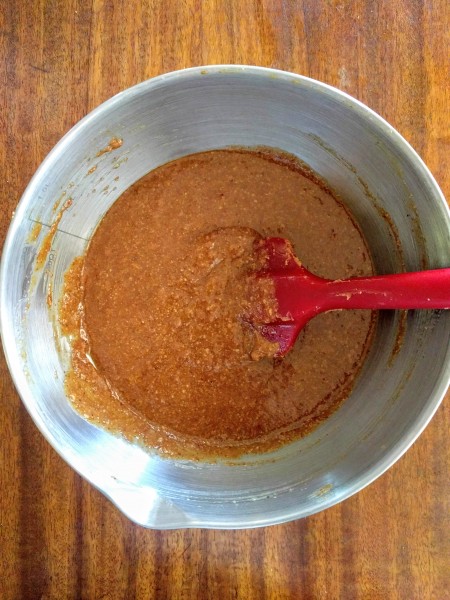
point(10, 344)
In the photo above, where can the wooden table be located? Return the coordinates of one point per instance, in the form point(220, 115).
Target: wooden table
point(59, 537)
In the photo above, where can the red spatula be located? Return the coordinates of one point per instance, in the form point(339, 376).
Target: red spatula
point(302, 295)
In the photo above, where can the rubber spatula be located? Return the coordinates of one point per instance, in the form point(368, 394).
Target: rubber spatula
point(301, 295)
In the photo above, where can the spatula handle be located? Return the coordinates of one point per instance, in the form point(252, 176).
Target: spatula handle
point(422, 289)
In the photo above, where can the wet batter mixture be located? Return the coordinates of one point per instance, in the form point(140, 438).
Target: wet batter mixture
point(155, 312)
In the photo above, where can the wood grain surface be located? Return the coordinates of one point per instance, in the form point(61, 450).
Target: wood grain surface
point(59, 537)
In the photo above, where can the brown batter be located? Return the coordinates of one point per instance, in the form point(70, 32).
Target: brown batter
point(157, 306)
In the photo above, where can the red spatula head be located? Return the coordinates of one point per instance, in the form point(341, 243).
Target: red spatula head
point(295, 293)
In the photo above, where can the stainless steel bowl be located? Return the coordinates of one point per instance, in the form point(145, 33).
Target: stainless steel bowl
point(386, 186)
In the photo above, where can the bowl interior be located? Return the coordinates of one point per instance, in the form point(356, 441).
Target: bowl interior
point(386, 187)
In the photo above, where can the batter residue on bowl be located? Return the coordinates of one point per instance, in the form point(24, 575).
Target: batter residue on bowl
point(161, 352)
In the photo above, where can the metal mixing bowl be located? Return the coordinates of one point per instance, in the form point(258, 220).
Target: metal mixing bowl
point(392, 196)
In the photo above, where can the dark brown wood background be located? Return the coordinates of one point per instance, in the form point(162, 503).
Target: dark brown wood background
point(60, 538)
